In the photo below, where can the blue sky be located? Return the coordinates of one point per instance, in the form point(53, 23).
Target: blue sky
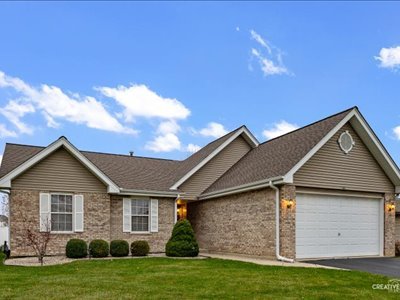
point(163, 79)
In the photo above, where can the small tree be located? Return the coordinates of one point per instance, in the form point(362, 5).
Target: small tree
point(37, 240)
point(182, 242)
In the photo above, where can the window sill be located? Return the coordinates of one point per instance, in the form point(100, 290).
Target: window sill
point(63, 232)
point(141, 232)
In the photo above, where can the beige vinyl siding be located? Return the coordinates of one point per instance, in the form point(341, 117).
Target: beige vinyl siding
point(210, 172)
point(60, 171)
point(331, 168)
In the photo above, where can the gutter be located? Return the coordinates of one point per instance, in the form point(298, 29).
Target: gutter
point(277, 235)
point(148, 193)
point(243, 188)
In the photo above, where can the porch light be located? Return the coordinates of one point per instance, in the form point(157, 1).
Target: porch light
point(391, 206)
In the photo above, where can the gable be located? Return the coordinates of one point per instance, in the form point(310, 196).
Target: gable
point(330, 167)
point(59, 171)
point(216, 167)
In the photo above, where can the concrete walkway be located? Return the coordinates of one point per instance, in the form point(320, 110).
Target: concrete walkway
point(267, 262)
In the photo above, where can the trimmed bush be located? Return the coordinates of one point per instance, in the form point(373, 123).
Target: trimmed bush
point(140, 248)
point(397, 248)
point(76, 248)
point(182, 242)
point(99, 248)
point(119, 248)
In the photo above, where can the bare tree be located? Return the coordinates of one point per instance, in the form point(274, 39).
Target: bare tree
point(37, 240)
point(4, 205)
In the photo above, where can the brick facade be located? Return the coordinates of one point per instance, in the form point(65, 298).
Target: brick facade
point(287, 219)
point(390, 225)
point(156, 240)
point(96, 221)
point(241, 223)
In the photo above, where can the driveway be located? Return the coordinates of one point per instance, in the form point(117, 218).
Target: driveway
point(377, 265)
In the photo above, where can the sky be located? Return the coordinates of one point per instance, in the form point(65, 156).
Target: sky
point(163, 79)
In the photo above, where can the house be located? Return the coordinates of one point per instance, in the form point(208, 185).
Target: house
point(325, 190)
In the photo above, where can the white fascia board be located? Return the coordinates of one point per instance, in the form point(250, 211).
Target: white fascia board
point(132, 192)
point(244, 188)
point(242, 130)
point(322, 142)
point(5, 181)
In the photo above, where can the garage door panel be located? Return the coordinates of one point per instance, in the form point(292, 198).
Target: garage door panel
point(334, 226)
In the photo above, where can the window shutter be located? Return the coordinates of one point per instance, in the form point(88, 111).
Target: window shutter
point(45, 209)
point(78, 213)
point(127, 216)
point(154, 215)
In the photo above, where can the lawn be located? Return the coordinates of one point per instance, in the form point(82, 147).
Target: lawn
point(163, 278)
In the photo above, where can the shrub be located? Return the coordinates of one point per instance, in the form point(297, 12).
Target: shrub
point(182, 242)
point(99, 248)
point(2, 258)
point(397, 247)
point(119, 248)
point(76, 248)
point(140, 248)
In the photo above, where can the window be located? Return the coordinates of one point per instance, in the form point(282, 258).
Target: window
point(346, 142)
point(140, 214)
point(61, 212)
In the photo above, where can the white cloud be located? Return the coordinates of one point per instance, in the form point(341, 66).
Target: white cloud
point(5, 133)
point(164, 143)
point(14, 111)
point(279, 129)
point(54, 104)
point(140, 101)
point(169, 126)
point(1, 158)
point(389, 57)
point(268, 66)
point(396, 131)
point(192, 148)
point(213, 129)
point(270, 61)
point(259, 39)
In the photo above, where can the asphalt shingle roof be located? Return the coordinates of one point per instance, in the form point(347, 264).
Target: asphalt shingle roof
point(277, 156)
point(128, 172)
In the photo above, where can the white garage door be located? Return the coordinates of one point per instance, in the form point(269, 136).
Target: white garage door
point(337, 226)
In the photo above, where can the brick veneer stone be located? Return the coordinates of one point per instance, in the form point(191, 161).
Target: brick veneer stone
point(390, 225)
point(241, 223)
point(287, 219)
point(96, 221)
point(156, 240)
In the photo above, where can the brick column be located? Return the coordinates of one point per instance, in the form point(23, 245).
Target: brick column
point(389, 226)
point(287, 221)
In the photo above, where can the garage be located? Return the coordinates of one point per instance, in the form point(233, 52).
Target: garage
point(338, 226)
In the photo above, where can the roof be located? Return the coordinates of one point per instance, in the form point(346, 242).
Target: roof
point(277, 156)
point(128, 172)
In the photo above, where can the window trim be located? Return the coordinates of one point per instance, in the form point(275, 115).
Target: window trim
point(148, 200)
point(72, 213)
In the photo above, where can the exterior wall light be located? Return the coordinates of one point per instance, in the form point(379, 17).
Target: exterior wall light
point(391, 206)
point(288, 203)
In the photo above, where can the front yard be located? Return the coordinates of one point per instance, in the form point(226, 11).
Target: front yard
point(166, 278)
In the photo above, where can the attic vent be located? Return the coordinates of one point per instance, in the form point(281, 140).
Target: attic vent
point(346, 142)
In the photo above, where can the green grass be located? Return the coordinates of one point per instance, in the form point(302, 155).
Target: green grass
point(165, 278)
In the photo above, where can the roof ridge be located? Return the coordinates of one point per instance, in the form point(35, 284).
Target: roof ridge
point(127, 155)
point(96, 152)
point(308, 125)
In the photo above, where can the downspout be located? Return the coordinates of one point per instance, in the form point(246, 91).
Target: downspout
point(277, 235)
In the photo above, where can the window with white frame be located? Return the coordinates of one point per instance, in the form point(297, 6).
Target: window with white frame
point(140, 215)
point(61, 212)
